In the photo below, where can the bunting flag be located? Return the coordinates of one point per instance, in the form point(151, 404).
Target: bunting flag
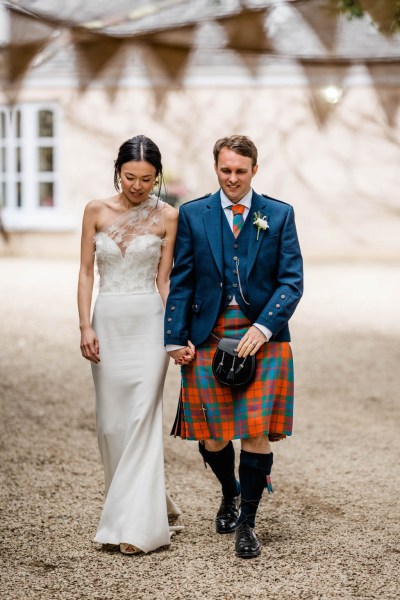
point(28, 37)
point(246, 31)
point(95, 52)
point(322, 16)
point(325, 87)
point(171, 50)
point(26, 28)
point(382, 12)
point(388, 97)
point(97, 47)
point(19, 58)
point(173, 59)
point(183, 36)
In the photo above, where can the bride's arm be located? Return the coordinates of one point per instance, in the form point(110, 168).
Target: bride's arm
point(167, 252)
point(89, 341)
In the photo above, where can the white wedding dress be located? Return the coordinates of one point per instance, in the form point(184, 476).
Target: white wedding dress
point(128, 320)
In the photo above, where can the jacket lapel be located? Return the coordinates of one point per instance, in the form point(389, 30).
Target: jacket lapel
point(258, 204)
point(212, 218)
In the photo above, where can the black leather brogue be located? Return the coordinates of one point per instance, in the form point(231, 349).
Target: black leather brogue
point(227, 516)
point(246, 544)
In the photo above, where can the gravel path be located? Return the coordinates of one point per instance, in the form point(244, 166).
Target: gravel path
point(330, 530)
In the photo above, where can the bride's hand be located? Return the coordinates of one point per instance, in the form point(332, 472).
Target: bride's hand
point(190, 353)
point(90, 345)
point(185, 355)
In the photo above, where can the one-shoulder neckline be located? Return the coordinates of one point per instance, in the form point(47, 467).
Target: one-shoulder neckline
point(150, 203)
point(123, 254)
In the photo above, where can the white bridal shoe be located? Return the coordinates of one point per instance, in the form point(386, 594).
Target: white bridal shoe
point(129, 549)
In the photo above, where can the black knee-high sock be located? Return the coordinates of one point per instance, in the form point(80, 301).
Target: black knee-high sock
point(222, 464)
point(253, 471)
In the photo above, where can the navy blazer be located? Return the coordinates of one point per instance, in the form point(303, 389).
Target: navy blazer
point(274, 270)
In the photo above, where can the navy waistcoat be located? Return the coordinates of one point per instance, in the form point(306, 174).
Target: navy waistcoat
point(235, 251)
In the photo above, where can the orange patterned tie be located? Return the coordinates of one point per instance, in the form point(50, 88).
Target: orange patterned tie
point(238, 210)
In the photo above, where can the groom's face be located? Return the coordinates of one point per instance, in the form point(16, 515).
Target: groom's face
point(234, 173)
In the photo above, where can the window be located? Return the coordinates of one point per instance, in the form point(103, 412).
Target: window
point(29, 179)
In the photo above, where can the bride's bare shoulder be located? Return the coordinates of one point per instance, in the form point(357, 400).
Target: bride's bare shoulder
point(97, 212)
point(96, 206)
point(170, 213)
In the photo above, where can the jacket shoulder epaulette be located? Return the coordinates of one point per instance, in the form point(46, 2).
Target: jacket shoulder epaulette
point(276, 200)
point(196, 199)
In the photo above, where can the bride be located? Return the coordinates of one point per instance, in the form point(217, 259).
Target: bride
point(132, 235)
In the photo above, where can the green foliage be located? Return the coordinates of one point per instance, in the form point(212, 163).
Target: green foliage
point(396, 22)
point(351, 9)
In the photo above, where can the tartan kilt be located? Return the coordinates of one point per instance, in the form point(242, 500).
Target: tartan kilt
point(208, 409)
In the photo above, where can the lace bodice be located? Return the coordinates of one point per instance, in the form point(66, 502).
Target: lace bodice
point(129, 249)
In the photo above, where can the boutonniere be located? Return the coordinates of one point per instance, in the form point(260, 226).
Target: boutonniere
point(260, 221)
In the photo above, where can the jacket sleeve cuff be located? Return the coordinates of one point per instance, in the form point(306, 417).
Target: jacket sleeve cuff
point(172, 347)
point(267, 332)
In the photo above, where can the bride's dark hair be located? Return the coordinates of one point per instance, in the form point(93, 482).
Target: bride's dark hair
point(139, 148)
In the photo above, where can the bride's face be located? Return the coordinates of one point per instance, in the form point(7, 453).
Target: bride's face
point(137, 180)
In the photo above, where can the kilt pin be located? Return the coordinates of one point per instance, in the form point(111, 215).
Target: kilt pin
point(224, 280)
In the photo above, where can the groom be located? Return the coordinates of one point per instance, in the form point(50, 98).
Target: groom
point(237, 273)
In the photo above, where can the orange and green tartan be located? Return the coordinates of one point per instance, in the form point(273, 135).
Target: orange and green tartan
point(210, 410)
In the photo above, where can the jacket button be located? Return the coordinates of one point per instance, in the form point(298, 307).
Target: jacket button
point(270, 313)
point(277, 305)
point(235, 258)
point(172, 307)
point(235, 272)
point(169, 319)
point(169, 331)
point(236, 245)
point(235, 285)
point(283, 296)
point(194, 305)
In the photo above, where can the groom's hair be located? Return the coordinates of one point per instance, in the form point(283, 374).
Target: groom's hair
point(241, 144)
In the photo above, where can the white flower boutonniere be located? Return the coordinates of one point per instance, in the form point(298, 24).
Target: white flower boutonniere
point(260, 221)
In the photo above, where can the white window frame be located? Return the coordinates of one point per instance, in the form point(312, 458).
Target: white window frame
point(30, 216)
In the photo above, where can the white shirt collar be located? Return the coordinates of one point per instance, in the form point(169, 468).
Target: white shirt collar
point(246, 200)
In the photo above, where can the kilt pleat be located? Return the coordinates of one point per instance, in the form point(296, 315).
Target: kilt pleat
point(210, 410)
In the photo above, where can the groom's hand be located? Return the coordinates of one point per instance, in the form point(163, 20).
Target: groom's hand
point(251, 342)
point(183, 356)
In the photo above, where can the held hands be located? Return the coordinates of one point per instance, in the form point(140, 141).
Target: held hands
point(90, 345)
point(251, 342)
point(183, 356)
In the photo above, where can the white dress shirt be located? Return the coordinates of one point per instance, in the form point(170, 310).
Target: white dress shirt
point(226, 204)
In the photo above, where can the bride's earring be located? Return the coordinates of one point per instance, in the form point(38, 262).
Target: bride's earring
point(156, 183)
